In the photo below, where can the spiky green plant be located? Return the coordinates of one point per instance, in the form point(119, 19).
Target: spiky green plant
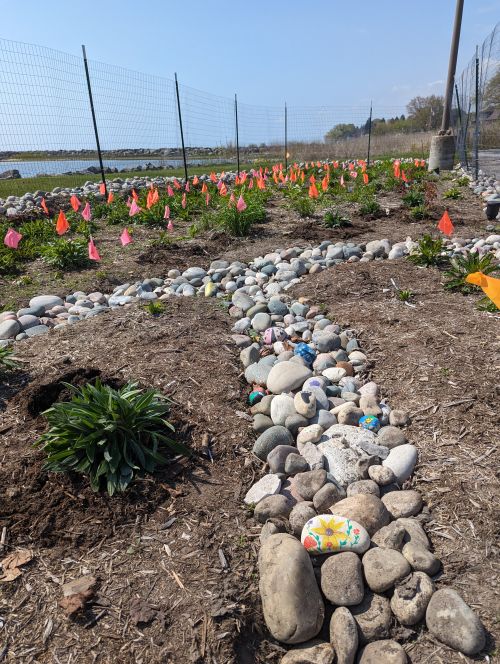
point(155, 308)
point(109, 434)
point(461, 266)
point(335, 219)
point(370, 207)
point(8, 361)
point(413, 198)
point(453, 193)
point(64, 254)
point(428, 252)
point(419, 212)
point(405, 295)
point(485, 304)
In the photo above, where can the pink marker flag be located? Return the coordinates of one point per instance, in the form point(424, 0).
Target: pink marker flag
point(187, 187)
point(250, 184)
point(232, 199)
point(170, 226)
point(125, 237)
point(86, 212)
point(134, 209)
point(93, 253)
point(184, 203)
point(342, 181)
point(167, 212)
point(170, 191)
point(12, 238)
point(241, 205)
point(207, 199)
point(75, 203)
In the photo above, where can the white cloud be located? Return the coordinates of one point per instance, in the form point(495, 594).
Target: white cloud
point(434, 84)
point(404, 87)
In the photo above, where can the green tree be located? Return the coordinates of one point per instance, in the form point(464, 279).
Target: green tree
point(342, 131)
point(425, 113)
point(491, 98)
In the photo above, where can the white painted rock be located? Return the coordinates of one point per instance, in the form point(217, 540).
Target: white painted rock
point(281, 407)
point(269, 485)
point(401, 461)
point(327, 533)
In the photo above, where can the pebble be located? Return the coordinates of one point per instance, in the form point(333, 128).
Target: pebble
point(301, 513)
point(390, 436)
point(414, 532)
point(340, 461)
point(454, 623)
point(411, 597)
point(295, 422)
point(292, 604)
point(373, 617)
point(267, 441)
point(327, 496)
point(305, 404)
point(310, 482)
point(381, 475)
point(261, 423)
point(277, 458)
point(310, 434)
point(420, 559)
point(403, 503)
point(366, 509)
point(295, 463)
point(344, 635)
point(383, 652)
point(273, 507)
point(399, 418)
point(342, 579)
point(268, 485)
point(328, 534)
point(363, 486)
point(390, 537)
point(46, 301)
point(282, 406)
point(401, 461)
point(37, 330)
point(384, 568)
point(287, 376)
point(271, 527)
point(310, 653)
point(9, 329)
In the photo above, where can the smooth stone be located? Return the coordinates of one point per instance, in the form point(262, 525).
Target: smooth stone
point(420, 559)
point(384, 568)
point(287, 376)
point(267, 441)
point(390, 537)
point(402, 461)
point(242, 301)
point(310, 434)
point(261, 321)
point(282, 406)
point(343, 364)
point(305, 404)
point(353, 435)
point(272, 527)
point(366, 509)
point(27, 321)
point(269, 485)
point(312, 455)
point(37, 330)
point(310, 653)
point(369, 405)
point(454, 623)
point(273, 507)
point(370, 388)
point(349, 416)
point(403, 503)
point(301, 513)
point(399, 418)
point(34, 311)
point(386, 651)
point(334, 374)
point(9, 329)
point(295, 463)
point(289, 490)
point(381, 475)
point(363, 486)
point(291, 600)
point(257, 374)
point(414, 532)
point(411, 597)
point(249, 355)
point(324, 418)
point(390, 437)
point(263, 407)
point(344, 635)
point(46, 301)
point(261, 423)
point(373, 617)
point(327, 496)
point(310, 482)
point(328, 534)
point(342, 579)
point(295, 422)
point(277, 457)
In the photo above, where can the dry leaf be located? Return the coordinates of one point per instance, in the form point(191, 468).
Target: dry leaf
point(11, 563)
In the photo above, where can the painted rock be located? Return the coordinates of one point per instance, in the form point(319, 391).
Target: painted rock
point(370, 423)
point(327, 533)
point(273, 334)
point(305, 352)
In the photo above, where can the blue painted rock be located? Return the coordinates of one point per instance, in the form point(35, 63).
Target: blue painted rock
point(305, 352)
point(369, 422)
point(329, 533)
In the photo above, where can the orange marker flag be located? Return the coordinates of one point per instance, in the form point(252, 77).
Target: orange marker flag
point(134, 195)
point(312, 179)
point(490, 285)
point(213, 177)
point(102, 188)
point(324, 183)
point(313, 191)
point(149, 202)
point(250, 183)
point(204, 188)
point(237, 181)
point(62, 223)
point(445, 224)
point(335, 164)
point(195, 180)
point(403, 176)
point(176, 184)
point(44, 207)
point(302, 176)
point(223, 190)
point(155, 197)
point(365, 178)
point(111, 197)
point(75, 203)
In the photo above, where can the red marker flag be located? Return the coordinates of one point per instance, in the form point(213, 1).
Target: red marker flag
point(446, 225)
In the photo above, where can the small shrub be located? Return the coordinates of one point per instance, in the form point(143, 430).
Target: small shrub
point(155, 308)
point(485, 304)
point(334, 219)
point(463, 181)
point(461, 266)
point(303, 205)
point(419, 212)
point(7, 262)
point(404, 295)
point(239, 223)
point(7, 359)
point(65, 254)
point(453, 192)
point(108, 434)
point(413, 198)
point(370, 208)
point(428, 252)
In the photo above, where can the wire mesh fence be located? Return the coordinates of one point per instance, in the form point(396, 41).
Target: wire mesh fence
point(476, 108)
point(46, 126)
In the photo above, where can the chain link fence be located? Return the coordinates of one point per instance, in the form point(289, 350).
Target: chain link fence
point(46, 126)
point(476, 108)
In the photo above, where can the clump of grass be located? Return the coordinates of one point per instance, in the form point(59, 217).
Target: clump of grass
point(419, 212)
point(335, 219)
point(463, 181)
point(302, 204)
point(155, 308)
point(229, 220)
point(370, 207)
point(453, 193)
point(8, 361)
point(428, 252)
point(110, 435)
point(413, 198)
point(65, 254)
point(485, 304)
point(405, 295)
point(461, 266)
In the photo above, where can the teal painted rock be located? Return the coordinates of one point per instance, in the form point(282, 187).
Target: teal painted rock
point(327, 533)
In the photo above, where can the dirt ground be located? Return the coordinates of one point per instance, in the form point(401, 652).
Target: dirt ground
point(176, 558)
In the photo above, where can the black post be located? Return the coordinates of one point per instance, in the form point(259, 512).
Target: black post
point(180, 126)
point(286, 139)
point(476, 129)
point(466, 135)
point(461, 136)
point(369, 135)
point(99, 153)
point(237, 134)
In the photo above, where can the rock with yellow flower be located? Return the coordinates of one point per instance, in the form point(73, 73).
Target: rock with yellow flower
point(327, 533)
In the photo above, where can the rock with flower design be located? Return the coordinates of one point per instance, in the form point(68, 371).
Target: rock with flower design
point(329, 533)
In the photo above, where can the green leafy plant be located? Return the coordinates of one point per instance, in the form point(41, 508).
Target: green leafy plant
point(419, 212)
point(7, 359)
point(461, 266)
point(155, 308)
point(109, 434)
point(65, 254)
point(428, 252)
point(453, 192)
point(485, 304)
point(370, 207)
point(335, 219)
point(404, 295)
point(413, 198)
point(303, 205)
point(463, 181)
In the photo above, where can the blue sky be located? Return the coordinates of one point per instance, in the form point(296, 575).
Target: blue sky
point(322, 52)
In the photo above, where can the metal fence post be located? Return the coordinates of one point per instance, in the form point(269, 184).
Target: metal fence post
point(369, 135)
point(286, 138)
point(237, 133)
point(180, 127)
point(94, 119)
point(476, 128)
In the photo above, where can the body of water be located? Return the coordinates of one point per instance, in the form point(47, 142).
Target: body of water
point(29, 169)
